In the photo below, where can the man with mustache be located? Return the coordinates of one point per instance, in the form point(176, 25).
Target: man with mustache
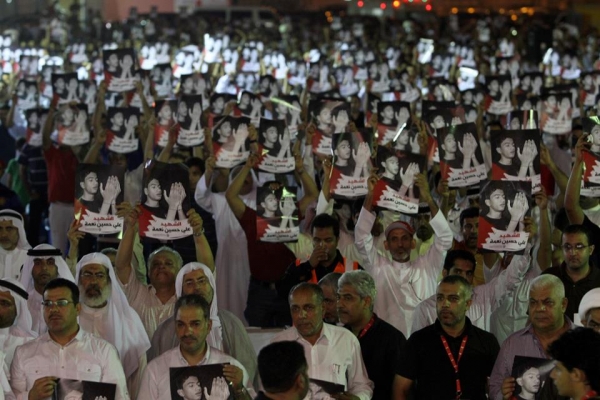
point(106, 313)
point(13, 244)
point(65, 351)
point(452, 358)
point(193, 326)
point(43, 264)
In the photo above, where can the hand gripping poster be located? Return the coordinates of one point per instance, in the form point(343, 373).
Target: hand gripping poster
point(71, 125)
point(504, 205)
point(165, 202)
point(461, 160)
point(590, 185)
point(230, 141)
point(351, 164)
point(119, 66)
point(200, 382)
point(498, 97)
point(98, 190)
point(189, 113)
point(65, 87)
point(277, 215)
point(275, 147)
point(396, 190)
point(393, 118)
point(532, 378)
point(121, 135)
point(72, 389)
point(516, 156)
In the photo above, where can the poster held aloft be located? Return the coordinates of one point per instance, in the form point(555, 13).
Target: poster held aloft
point(277, 213)
point(516, 156)
point(351, 164)
point(275, 147)
point(461, 160)
point(121, 134)
point(119, 65)
point(230, 141)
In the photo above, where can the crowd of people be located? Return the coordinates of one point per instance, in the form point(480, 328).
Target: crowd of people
point(293, 173)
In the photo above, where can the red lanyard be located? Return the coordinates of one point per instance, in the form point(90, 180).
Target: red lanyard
point(589, 395)
point(455, 362)
point(364, 330)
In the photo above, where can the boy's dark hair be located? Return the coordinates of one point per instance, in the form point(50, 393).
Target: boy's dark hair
point(326, 221)
point(279, 365)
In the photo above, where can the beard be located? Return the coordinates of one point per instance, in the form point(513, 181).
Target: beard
point(95, 297)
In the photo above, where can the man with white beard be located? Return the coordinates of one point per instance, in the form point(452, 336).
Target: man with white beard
point(106, 313)
point(13, 244)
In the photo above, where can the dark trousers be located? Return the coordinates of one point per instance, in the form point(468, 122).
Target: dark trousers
point(38, 210)
point(264, 307)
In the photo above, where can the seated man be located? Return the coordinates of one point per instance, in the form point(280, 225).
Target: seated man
point(193, 325)
point(15, 319)
point(65, 351)
point(589, 309)
point(329, 286)
point(13, 244)
point(332, 352)
point(283, 371)
point(227, 333)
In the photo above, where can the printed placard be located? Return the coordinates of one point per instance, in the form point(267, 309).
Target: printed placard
point(189, 113)
point(249, 105)
point(65, 87)
point(87, 93)
point(28, 66)
point(98, 190)
point(515, 156)
point(504, 205)
point(393, 118)
point(556, 113)
point(425, 50)
point(275, 147)
point(165, 112)
point(165, 202)
point(119, 68)
point(277, 215)
point(590, 185)
point(67, 389)
point(498, 97)
point(396, 189)
point(329, 117)
point(72, 125)
point(161, 76)
point(194, 382)
point(532, 83)
point(520, 119)
point(320, 389)
point(532, 378)
point(351, 163)
point(230, 141)
point(27, 94)
point(344, 77)
point(461, 160)
point(288, 108)
point(121, 132)
point(36, 117)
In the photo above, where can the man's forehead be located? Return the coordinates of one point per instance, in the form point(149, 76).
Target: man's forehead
point(93, 267)
point(449, 289)
point(197, 273)
point(6, 223)
point(7, 295)
point(574, 238)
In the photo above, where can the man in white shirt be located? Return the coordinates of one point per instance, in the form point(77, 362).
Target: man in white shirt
point(193, 325)
point(15, 320)
point(65, 351)
point(486, 298)
point(333, 353)
point(106, 313)
point(402, 284)
point(13, 244)
point(154, 303)
point(44, 263)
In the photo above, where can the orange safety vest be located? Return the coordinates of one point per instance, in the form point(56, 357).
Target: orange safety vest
point(340, 268)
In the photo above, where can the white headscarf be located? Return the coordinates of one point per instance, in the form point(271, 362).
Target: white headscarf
point(126, 331)
point(23, 319)
point(61, 266)
point(588, 302)
point(17, 221)
point(215, 337)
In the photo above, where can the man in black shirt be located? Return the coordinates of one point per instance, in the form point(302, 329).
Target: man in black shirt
point(283, 371)
point(451, 358)
point(380, 343)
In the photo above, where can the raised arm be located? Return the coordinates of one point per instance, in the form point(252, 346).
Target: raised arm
point(572, 207)
point(311, 193)
point(233, 191)
point(559, 177)
point(48, 126)
point(203, 252)
point(125, 251)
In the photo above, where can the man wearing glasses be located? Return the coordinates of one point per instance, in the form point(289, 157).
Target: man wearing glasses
point(576, 272)
point(65, 351)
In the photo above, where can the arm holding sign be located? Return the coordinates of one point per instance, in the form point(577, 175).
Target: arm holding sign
point(233, 191)
point(125, 250)
point(572, 207)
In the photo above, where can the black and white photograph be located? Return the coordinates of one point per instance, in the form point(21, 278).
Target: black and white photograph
point(520, 119)
point(28, 66)
point(329, 117)
point(277, 215)
point(165, 201)
point(467, 78)
point(461, 159)
point(344, 77)
point(319, 77)
point(532, 378)
point(121, 130)
point(323, 390)
point(27, 94)
point(72, 389)
point(275, 147)
point(268, 87)
point(590, 185)
point(250, 58)
point(504, 205)
point(351, 163)
point(46, 88)
point(288, 108)
point(532, 83)
point(245, 81)
point(36, 117)
point(516, 156)
point(498, 98)
point(230, 141)
point(440, 65)
point(195, 84)
point(161, 76)
point(119, 67)
point(65, 87)
point(556, 113)
point(165, 112)
point(393, 118)
point(87, 92)
point(189, 113)
point(425, 50)
point(199, 382)
point(472, 97)
point(249, 105)
point(218, 101)
point(591, 127)
point(72, 125)
point(396, 190)
point(98, 191)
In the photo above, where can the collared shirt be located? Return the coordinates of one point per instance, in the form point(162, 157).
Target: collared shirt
point(574, 291)
point(12, 261)
point(10, 339)
point(402, 286)
point(335, 357)
point(143, 300)
point(156, 380)
point(34, 303)
point(521, 343)
point(486, 298)
point(86, 357)
point(426, 362)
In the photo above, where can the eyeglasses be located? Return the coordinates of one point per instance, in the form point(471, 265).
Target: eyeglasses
point(58, 303)
point(578, 247)
point(99, 275)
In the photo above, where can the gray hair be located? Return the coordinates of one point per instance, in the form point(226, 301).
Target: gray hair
point(362, 282)
point(330, 280)
point(309, 287)
point(168, 250)
point(108, 251)
point(547, 280)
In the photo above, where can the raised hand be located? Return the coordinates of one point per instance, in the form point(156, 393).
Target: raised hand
point(408, 176)
point(518, 208)
point(287, 207)
point(372, 182)
point(74, 234)
point(218, 391)
point(340, 122)
point(362, 154)
point(252, 160)
point(173, 199)
point(528, 154)
point(111, 191)
point(241, 133)
point(234, 375)
point(195, 221)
